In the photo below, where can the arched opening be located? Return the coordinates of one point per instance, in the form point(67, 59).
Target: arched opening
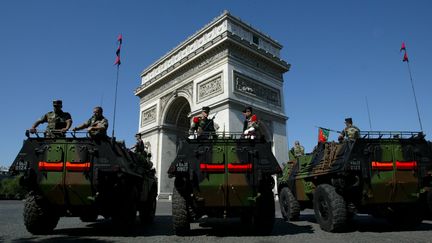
point(177, 115)
point(175, 127)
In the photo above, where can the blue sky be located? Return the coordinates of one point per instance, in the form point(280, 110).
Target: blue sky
point(341, 52)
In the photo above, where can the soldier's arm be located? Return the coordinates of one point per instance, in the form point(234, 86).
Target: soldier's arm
point(38, 122)
point(68, 122)
point(82, 126)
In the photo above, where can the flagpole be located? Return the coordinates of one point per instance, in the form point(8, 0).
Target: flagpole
point(415, 97)
point(115, 99)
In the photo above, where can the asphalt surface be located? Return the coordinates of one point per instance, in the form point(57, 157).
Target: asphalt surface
point(364, 229)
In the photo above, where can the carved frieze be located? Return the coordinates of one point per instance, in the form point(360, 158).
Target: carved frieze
point(253, 88)
point(184, 75)
point(148, 116)
point(210, 87)
point(185, 51)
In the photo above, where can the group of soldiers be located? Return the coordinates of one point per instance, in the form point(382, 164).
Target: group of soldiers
point(202, 125)
point(59, 122)
point(350, 132)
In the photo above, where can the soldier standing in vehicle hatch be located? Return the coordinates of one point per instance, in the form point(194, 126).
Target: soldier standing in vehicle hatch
point(201, 124)
point(97, 125)
point(297, 150)
point(58, 121)
point(350, 131)
point(250, 125)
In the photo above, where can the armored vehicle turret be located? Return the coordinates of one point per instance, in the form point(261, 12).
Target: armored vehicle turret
point(83, 177)
point(224, 175)
point(385, 174)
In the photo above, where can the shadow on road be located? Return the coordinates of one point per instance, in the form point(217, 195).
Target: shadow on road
point(368, 223)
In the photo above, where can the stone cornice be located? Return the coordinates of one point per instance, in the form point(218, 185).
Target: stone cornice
point(224, 27)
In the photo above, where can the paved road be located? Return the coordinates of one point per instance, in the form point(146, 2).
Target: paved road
point(364, 229)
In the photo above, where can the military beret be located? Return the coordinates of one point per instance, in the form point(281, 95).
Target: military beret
point(57, 103)
point(349, 120)
point(247, 108)
point(206, 109)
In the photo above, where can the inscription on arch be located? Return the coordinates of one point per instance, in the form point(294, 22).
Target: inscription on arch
point(210, 87)
point(251, 87)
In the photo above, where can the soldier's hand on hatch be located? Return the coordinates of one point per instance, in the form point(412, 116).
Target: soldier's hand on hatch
point(63, 130)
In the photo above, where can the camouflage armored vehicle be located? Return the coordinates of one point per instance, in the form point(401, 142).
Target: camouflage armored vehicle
point(224, 176)
point(385, 174)
point(80, 176)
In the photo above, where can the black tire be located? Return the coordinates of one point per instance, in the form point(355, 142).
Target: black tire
point(181, 222)
point(148, 210)
point(38, 219)
point(330, 208)
point(125, 210)
point(289, 206)
point(264, 214)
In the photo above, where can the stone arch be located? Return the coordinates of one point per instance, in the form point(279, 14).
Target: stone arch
point(175, 124)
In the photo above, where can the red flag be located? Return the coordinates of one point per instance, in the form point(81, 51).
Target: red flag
point(405, 58)
point(403, 47)
point(323, 135)
point(120, 41)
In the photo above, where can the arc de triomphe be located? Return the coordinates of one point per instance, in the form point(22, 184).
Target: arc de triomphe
point(226, 65)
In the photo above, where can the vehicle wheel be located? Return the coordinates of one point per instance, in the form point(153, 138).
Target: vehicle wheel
point(125, 211)
point(264, 214)
point(330, 208)
point(289, 206)
point(180, 214)
point(148, 210)
point(38, 219)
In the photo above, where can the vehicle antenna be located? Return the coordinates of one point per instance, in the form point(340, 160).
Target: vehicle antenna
point(405, 59)
point(369, 116)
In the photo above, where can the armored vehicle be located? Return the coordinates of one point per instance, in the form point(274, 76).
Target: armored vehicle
point(83, 177)
point(385, 174)
point(224, 175)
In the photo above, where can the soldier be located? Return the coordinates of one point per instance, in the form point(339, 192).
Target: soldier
point(297, 150)
point(350, 131)
point(139, 145)
point(201, 124)
point(58, 121)
point(250, 126)
point(97, 125)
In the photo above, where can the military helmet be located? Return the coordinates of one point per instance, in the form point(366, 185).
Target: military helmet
point(206, 109)
point(57, 103)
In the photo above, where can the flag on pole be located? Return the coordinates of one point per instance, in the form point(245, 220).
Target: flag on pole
point(403, 47)
point(323, 135)
point(405, 58)
point(120, 41)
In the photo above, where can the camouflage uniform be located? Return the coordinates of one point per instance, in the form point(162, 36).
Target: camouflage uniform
point(95, 122)
point(57, 120)
point(350, 131)
point(298, 150)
